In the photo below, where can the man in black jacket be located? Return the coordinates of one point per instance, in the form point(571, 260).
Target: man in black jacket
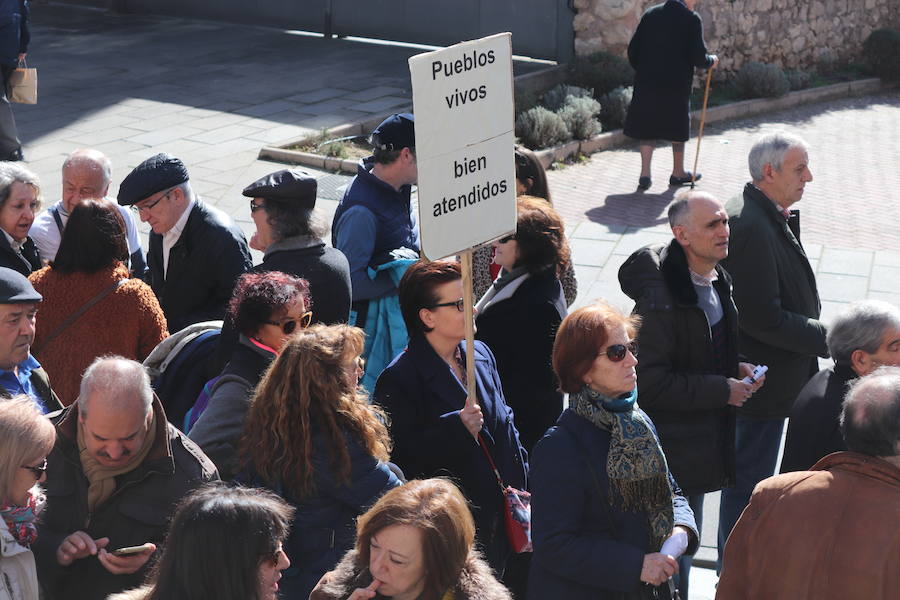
point(196, 251)
point(862, 338)
point(688, 373)
point(113, 478)
point(775, 292)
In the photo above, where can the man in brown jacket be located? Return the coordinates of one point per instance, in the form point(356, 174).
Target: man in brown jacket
point(831, 532)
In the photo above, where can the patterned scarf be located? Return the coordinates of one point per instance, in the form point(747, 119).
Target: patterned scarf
point(20, 519)
point(636, 466)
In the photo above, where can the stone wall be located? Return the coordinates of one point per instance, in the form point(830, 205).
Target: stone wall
point(793, 34)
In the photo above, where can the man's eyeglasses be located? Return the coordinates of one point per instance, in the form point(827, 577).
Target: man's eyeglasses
point(617, 352)
point(289, 325)
point(148, 207)
point(459, 304)
point(505, 239)
point(39, 470)
point(255, 207)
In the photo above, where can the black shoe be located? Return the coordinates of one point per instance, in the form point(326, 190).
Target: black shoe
point(644, 183)
point(15, 155)
point(677, 181)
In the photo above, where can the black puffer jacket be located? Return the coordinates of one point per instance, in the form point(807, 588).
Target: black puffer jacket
point(677, 383)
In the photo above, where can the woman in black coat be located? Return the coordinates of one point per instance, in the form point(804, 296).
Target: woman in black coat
point(519, 314)
point(664, 50)
point(607, 516)
point(20, 200)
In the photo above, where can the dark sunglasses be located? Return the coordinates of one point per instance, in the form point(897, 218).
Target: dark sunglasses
point(39, 470)
point(255, 207)
point(507, 238)
point(459, 304)
point(289, 326)
point(617, 352)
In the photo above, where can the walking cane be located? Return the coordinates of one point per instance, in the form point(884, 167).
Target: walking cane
point(702, 122)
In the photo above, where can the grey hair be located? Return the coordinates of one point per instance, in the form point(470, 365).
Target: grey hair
point(93, 159)
point(870, 416)
point(861, 327)
point(125, 377)
point(288, 221)
point(10, 173)
point(770, 150)
point(187, 190)
point(679, 209)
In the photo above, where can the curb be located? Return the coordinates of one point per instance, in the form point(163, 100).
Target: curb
point(735, 110)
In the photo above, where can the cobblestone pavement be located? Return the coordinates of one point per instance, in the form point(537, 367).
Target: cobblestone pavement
point(214, 94)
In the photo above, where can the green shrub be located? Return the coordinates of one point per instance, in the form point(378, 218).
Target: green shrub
point(881, 52)
point(580, 116)
point(556, 98)
point(760, 80)
point(615, 107)
point(525, 100)
point(541, 128)
point(798, 80)
point(601, 72)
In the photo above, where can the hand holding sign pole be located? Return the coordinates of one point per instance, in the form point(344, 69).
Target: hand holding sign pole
point(465, 144)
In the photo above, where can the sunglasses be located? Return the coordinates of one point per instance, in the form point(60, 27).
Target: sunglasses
point(39, 470)
point(618, 352)
point(289, 325)
point(508, 238)
point(255, 207)
point(459, 304)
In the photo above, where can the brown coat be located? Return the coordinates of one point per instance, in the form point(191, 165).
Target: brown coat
point(826, 534)
point(129, 322)
point(476, 582)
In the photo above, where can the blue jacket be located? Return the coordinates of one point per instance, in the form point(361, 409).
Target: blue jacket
point(423, 398)
point(324, 526)
point(575, 553)
point(372, 219)
point(14, 35)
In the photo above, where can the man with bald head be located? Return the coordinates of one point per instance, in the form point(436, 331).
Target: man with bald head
point(829, 532)
point(86, 175)
point(113, 478)
point(689, 377)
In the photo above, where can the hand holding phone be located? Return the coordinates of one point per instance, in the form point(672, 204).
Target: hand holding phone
point(129, 550)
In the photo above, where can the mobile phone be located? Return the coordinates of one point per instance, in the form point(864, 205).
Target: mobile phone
point(130, 550)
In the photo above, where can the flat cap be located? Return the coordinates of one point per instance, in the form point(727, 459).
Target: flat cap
point(15, 288)
point(294, 187)
point(155, 174)
point(395, 133)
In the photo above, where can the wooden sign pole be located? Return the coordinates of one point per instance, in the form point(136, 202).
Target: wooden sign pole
point(465, 258)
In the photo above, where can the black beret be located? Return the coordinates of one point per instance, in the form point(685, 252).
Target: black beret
point(395, 133)
point(15, 288)
point(295, 187)
point(155, 174)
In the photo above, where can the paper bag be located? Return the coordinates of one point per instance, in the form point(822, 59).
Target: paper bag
point(23, 85)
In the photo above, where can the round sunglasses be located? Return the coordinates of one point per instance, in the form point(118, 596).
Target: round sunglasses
point(617, 352)
point(289, 325)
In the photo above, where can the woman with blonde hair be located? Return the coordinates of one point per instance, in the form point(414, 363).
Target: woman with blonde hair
point(26, 438)
point(312, 437)
point(416, 543)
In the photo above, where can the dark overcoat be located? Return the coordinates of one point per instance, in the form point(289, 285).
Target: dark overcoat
point(584, 549)
point(664, 50)
point(520, 331)
point(25, 262)
point(203, 266)
point(678, 385)
point(423, 398)
point(776, 295)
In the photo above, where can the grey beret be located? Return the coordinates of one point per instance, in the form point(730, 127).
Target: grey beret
point(293, 187)
point(155, 174)
point(15, 288)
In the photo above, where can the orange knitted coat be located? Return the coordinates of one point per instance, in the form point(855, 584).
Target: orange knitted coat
point(129, 322)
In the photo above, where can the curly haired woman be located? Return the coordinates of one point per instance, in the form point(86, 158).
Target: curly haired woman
point(312, 437)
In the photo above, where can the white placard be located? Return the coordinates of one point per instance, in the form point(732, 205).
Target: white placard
point(463, 103)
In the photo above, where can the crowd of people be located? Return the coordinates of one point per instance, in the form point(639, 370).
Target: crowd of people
point(285, 476)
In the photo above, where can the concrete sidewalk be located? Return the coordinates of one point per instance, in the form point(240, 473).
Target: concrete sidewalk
point(214, 94)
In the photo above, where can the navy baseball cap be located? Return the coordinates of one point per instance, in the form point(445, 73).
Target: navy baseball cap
point(395, 133)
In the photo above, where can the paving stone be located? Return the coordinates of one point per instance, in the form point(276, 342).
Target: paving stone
point(885, 279)
point(887, 258)
point(591, 253)
point(634, 240)
point(318, 95)
point(596, 231)
point(222, 134)
point(372, 93)
point(164, 135)
point(266, 108)
point(380, 104)
point(842, 288)
point(848, 262)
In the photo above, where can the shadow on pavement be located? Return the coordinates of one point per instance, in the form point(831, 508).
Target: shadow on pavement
point(636, 209)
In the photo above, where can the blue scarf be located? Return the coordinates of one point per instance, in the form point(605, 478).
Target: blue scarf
point(636, 466)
